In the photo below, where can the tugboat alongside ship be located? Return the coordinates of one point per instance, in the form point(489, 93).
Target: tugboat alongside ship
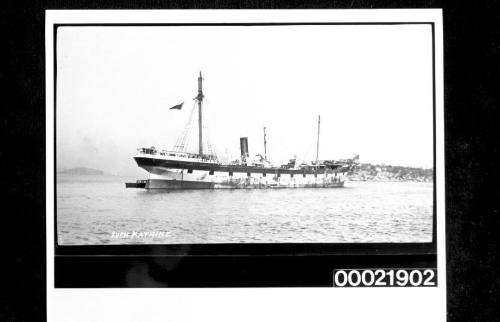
point(180, 169)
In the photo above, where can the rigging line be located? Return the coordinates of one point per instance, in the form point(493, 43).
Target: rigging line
point(180, 145)
point(207, 126)
point(205, 134)
point(190, 128)
point(310, 146)
point(206, 130)
point(209, 146)
point(181, 140)
point(307, 152)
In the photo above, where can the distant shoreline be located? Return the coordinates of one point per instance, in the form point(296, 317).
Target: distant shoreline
point(362, 172)
point(387, 180)
point(388, 173)
point(82, 171)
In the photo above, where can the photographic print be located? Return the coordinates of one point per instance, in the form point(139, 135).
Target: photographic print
point(260, 133)
point(286, 151)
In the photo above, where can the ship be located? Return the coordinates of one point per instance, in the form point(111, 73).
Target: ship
point(178, 168)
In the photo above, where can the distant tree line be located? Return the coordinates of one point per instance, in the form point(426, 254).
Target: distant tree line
point(367, 171)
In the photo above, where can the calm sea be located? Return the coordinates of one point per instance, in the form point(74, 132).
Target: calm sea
point(94, 210)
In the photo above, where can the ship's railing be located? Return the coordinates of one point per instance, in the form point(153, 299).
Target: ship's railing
point(190, 156)
point(184, 156)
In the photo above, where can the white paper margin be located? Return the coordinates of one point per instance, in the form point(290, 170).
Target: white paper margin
point(239, 304)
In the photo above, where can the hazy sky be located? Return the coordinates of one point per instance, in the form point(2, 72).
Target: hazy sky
point(372, 86)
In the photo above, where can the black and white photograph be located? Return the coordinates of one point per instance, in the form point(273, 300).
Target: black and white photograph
point(249, 161)
point(244, 134)
point(245, 154)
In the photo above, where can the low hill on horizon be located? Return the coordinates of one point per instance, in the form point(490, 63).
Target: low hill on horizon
point(82, 171)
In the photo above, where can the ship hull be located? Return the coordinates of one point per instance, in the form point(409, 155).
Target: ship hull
point(178, 184)
point(165, 184)
point(176, 175)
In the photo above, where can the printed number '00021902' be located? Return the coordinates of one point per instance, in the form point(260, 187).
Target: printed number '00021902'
point(384, 277)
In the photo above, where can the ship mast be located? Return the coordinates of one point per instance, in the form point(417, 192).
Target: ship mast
point(199, 98)
point(317, 142)
point(265, 148)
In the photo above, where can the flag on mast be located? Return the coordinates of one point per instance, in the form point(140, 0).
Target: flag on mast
point(177, 107)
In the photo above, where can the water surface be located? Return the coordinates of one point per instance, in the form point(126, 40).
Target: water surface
point(95, 210)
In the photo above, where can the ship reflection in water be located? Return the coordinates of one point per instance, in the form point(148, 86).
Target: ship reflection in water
point(92, 210)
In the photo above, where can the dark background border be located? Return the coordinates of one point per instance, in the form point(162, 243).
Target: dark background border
point(471, 48)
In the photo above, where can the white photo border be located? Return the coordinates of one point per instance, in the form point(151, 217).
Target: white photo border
point(293, 304)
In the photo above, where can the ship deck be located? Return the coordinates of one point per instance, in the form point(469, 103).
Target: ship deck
point(151, 161)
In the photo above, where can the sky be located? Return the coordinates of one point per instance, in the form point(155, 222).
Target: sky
point(371, 84)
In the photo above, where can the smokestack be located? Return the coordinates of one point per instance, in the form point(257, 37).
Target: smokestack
point(244, 148)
